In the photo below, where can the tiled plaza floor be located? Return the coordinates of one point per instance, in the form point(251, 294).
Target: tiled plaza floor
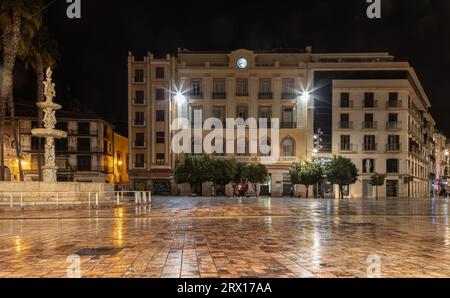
point(202, 237)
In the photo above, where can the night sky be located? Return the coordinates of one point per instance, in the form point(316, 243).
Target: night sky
point(93, 66)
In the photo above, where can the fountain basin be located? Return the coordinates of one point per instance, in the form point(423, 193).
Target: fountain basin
point(49, 105)
point(49, 133)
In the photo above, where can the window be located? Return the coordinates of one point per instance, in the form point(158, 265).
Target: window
point(368, 121)
point(61, 145)
point(35, 144)
point(139, 118)
point(369, 101)
point(160, 94)
point(345, 121)
point(83, 163)
point(368, 165)
point(288, 148)
point(160, 138)
point(139, 140)
point(265, 88)
point(64, 126)
point(160, 116)
point(393, 96)
point(219, 113)
point(345, 100)
point(105, 146)
point(196, 88)
point(160, 73)
point(84, 144)
point(160, 159)
point(345, 143)
point(369, 143)
point(242, 112)
point(393, 118)
point(139, 97)
point(392, 166)
point(288, 89)
point(139, 75)
point(242, 87)
point(83, 128)
point(266, 113)
point(219, 89)
point(139, 160)
point(288, 117)
point(393, 143)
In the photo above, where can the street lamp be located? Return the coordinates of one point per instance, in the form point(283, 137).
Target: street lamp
point(305, 96)
point(180, 98)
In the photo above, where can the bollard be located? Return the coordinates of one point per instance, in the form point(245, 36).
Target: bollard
point(144, 197)
point(89, 199)
point(11, 201)
point(149, 197)
point(96, 199)
point(121, 194)
point(135, 198)
point(118, 198)
point(21, 200)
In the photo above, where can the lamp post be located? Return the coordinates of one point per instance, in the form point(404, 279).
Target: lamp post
point(316, 150)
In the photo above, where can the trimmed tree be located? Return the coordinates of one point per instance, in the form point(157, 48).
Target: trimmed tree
point(341, 171)
point(222, 172)
point(306, 173)
point(377, 180)
point(193, 170)
point(257, 174)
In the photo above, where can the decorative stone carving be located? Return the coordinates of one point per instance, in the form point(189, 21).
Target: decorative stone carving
point(49, 132)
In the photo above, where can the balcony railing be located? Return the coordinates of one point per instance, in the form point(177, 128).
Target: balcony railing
point(396, 104)
point(194, 95)
point(393, 147)
point(139, 123)
point(370, 104)
point(219, 95)
point(393, 125)
point(139, 144)
point(288, 125)
point(345, 125)
point(369, 147)
point(241, 94)
point(346, 105)
point(139, 165)
point(265, 95)
point(369, 125)
point(346, 147)
point(288, 95)
point(139, 102)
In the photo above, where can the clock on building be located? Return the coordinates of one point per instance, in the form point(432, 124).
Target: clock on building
point(242, 63)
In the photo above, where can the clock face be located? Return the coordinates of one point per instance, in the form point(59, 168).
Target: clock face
point(242, 63)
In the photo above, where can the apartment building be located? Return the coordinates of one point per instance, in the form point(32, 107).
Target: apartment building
point(370, 107)
point(87, 155)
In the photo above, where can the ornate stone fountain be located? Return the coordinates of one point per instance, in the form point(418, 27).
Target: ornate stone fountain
point(49, 132)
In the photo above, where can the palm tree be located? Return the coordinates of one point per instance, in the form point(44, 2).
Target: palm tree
point(39, 52)
point(17, 17)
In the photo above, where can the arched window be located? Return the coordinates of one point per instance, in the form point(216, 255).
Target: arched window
point(288, 147)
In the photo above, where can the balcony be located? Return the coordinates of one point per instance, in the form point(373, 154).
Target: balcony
point(345, 125)
point(370, 104)
point(242, 94)
point(219, 95)
point(265, 95)
point(346, 104)
point(369, 147)
point(393, 147)
point(288, 95)
point(394, 104)
point(347, 148)
point(139, 123)
point(369, 125)
point(288, 125)
point(195, 95)
point(138, 80)
point(139, 102)
point(393, 125)
point(139, 165)
point(139, 144)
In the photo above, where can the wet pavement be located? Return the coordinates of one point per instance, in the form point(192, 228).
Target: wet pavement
point(218, 237)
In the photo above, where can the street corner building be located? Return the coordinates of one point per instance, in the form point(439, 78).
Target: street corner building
point(368, 106)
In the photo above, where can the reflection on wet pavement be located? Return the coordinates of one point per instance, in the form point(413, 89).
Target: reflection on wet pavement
point(218, 237)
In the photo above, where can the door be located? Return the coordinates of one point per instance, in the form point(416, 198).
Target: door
point(367, 189)
point(392, 188)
